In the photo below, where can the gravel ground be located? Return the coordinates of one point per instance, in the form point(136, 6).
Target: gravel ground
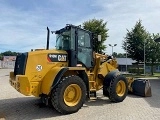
point(14, 106)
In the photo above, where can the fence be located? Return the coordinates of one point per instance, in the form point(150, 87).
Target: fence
point(7, 64)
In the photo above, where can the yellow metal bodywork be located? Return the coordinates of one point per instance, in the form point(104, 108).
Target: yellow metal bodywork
point(130, 81)
point(20, 83)
point(40, 58)
point(72, 95)
point(48, 80)
point(36, 82)
point(100, 70)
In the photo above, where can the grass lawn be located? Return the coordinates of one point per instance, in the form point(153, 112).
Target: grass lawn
point(156, 74)
point(142, 75)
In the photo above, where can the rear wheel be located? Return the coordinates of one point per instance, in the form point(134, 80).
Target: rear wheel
point(69, 95)
point(118, 89)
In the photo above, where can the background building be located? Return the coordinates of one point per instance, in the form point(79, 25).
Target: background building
point(8, 62)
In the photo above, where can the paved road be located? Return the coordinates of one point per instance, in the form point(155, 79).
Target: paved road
point(14, 106)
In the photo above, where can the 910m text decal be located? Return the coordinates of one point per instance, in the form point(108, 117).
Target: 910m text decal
point(57, 57)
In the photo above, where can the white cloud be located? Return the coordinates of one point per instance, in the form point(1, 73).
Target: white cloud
point(122, 15)
point(22, 30)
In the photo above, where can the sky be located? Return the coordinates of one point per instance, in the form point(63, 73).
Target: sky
point(23, 23)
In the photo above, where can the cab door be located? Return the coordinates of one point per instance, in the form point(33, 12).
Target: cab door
point(85, 53)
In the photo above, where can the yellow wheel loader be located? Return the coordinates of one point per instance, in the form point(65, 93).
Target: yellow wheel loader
point(69, 74)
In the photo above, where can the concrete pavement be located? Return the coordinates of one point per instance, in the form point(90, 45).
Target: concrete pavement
point(14, 106)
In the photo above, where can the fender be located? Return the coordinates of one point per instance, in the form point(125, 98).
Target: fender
point(51, 79)
point(58, 77)
point(82, 74)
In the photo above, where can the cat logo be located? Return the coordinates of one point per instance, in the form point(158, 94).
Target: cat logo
point(62, 58)
point(53, 57)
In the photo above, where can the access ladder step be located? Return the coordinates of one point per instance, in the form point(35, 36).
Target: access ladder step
point(92, 95)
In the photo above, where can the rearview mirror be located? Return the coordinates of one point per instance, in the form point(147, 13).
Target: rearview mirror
point(99, 38)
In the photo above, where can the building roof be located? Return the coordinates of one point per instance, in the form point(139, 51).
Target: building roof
point(9, 58)
point(124, 61)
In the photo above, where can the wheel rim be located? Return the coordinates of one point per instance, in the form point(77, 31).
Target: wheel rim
point(120, 88)
point(72, 95)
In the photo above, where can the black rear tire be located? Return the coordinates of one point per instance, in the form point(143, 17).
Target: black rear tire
point(69, 95)
point(118, 89)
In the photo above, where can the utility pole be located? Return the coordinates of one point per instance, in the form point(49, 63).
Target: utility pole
point(126, 56)
point(144, 58)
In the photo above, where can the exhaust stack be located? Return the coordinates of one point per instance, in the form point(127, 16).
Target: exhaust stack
point(48, 35)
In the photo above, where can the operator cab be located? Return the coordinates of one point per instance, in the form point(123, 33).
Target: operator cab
point(77, 42)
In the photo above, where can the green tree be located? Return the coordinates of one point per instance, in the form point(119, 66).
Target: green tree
point(98, 27)
point(9, 53)
point(152, 51)
point(119, 55)
point(134, 41)
point(115, 54)
point(1, 56)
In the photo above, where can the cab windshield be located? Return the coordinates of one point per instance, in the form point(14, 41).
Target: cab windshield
point(63, 40)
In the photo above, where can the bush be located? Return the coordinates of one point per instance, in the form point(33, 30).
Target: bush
point(135, 70)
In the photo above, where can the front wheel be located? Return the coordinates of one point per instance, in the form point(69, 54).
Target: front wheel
point(69, 95)
point(118, 89)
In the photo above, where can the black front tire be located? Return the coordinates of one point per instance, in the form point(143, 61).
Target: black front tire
point(118, 89)
point(58, 95)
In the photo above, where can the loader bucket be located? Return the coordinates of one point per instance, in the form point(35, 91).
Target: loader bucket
point(141, 87)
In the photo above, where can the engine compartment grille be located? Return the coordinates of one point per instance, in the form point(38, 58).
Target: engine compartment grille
point(20, 64)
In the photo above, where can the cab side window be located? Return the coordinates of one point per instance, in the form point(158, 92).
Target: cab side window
point(87, 40)
point(84, 48)
point(83, 39)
